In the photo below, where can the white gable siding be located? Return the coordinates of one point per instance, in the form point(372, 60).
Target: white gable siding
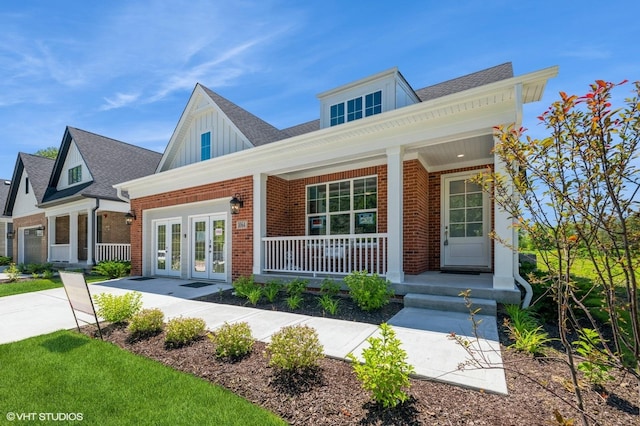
point(225, 138)
point(73, 159)
point(25, 204)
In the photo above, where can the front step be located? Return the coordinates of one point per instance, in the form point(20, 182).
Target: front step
point(449, 303)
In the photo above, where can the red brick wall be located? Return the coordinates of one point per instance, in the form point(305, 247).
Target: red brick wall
point(278, 207)
point(242, 242)
point(30, 221)
point(114, 228)
point(415, 218)
point(434, 217)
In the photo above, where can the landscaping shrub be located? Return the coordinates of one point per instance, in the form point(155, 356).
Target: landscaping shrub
point(596, 363)
point(370, 292)
point(35, 269)
point(272, 289)
point(328, 304)
point(243, 286)
point(118, 309)
point(295, 348)
point(330, 287)
point(255, 295)
point(13, 273)
point(147, 322)
point(113, 268)
point(385, 371)
point(297, 286)
point(5, 260)
point(232, 341)
point(182, 331)
point(524, 330)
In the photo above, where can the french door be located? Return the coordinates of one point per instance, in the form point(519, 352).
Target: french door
point(465, 217)
point(168, 247)
point(209, 257)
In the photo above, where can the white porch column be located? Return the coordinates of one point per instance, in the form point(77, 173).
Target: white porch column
point(91, 236)
point(259, 220)
point(503, 253)
point(51, 235)
point(395, 270)
point(73, 237)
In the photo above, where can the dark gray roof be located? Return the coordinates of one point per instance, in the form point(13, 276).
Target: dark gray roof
point(109, 161)
point(38, 169)
point(258, 131)
point(301, 129)
point(469, 81)
point(4, 195)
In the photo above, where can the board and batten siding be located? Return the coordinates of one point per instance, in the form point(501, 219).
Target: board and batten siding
point(225, 138)
point(73, 159)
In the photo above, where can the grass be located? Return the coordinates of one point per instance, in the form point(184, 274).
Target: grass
point(30, 285)
point(67, 372)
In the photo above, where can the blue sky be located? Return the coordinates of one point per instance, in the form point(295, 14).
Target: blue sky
point(125, 69)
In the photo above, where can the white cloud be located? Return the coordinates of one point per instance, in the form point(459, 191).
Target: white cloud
point(120, 100)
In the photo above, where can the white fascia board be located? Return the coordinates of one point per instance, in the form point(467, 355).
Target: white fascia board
point(411, 125)
point(64, 209)
point(361, 82)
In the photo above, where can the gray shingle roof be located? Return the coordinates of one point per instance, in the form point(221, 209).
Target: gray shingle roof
point(469, 81)
point(4, 195)
point(258, 131)
point(109, 161)
point(38, 169)
point(301, 129)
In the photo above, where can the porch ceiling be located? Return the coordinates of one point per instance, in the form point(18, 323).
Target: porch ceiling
point(458, 153)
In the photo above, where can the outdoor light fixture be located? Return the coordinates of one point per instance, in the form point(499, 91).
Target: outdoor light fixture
point(129, 217)
point(236, 204)
point(40, 228)
point(10, 235)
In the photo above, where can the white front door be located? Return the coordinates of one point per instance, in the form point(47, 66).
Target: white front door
point(168, 246)
point(465, 217)
point(209, 247)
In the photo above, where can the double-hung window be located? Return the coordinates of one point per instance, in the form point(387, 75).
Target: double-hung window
point(75, 175)
point(354, 108)
point(343, 207)
point(205, 146)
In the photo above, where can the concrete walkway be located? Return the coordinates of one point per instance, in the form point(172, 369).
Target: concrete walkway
point(424, 333)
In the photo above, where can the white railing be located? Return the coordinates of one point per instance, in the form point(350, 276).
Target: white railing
point(107, 251)
point(59, 253)
point(332, 254)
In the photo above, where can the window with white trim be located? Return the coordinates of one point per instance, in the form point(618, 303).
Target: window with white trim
point(354, 108)
point(205, 146)
point(343, 207)
point(75, 175)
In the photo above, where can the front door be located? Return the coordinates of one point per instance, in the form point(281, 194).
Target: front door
point(465, 217)
point(168, 246)
point(209, 247)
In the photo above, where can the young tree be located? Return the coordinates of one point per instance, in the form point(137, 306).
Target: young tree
point(578, 190)
point(49, 152)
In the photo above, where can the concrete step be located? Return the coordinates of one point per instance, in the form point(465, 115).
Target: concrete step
point(449, 303)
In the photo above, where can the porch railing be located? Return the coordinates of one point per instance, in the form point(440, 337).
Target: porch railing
point(331, 254)
point(108, 251)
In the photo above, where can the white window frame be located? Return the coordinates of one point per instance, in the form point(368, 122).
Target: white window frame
point(351, 212)
point(357, 114)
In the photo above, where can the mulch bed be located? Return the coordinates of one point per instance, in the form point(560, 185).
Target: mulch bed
point(331, 395)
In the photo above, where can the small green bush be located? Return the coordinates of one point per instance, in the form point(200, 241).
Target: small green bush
point(182, 331)
point(385, 372)
point(113, 268)
point(13, 273)
point(533, 341)
point(5, 260)
point(232, 341)
point(330, 287)
point(521, 319)
point(272, 289)
point(255, 295)
point(147, 322)
point(329, 304)
point(294, 301)
point(35, 269)
point(595, 365)
point(295, 348)
point(370, 292)
point(118, 309)
point(297, 286)
point(244, 285)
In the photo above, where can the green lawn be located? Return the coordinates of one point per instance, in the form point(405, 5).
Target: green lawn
point(27, 286)
point(66, 372)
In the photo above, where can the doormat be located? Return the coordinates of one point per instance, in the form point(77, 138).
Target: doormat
point(142, 279)
point(460, 272)
point(196, 284)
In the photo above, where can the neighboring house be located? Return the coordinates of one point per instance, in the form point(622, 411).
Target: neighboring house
point(6, 224)
point(84, 219)
point(28, 185)
point(378, 183)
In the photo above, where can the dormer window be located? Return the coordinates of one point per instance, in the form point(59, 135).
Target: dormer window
point(75, 175)
point(372, 105)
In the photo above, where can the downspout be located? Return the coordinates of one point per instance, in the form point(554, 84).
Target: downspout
point(528, 291)
point(94, 226)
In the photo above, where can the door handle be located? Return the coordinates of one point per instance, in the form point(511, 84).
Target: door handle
point(446, 236)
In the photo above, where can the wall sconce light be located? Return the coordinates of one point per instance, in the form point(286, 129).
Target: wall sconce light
point(129, 217)
point(236, 204)
point(10, 235)
point(40, 231)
